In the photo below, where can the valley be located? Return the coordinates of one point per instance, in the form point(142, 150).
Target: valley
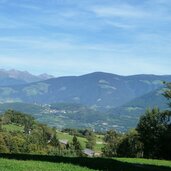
point(100, 101)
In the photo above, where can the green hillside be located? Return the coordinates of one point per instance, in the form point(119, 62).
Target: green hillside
point(62, 136)
point(128, 114)
point(30, 136)
point(95, 89)
point(70, 115)
point(62, 115)
point(22, 107)
point(83, 140)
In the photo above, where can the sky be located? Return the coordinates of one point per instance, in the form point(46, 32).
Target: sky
point(74, 37)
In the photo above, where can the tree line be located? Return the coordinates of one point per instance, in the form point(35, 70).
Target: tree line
point(35, 138)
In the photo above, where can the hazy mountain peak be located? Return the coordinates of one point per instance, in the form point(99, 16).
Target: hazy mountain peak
point(45, 76)
point(13, 77)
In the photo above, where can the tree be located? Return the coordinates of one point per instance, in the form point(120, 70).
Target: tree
point(28, 126)
point(152, 128)
point(130, 145)
point(1, 124)
point(166, 147)
point(167, 92)
point(77, 146)
point(91, 142)
point(47, 134)
point(110, 136)
point(3, 147)
point(91, 139)
point(111, 139)
point(167, 137)
point(54, 141)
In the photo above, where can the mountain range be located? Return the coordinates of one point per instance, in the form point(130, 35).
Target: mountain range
point(15, 77)
point(110, 99)
point(96, 89)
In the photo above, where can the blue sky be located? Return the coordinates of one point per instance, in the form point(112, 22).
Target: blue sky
point(74, 37)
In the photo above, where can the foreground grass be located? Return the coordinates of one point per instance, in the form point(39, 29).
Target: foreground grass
point(146, 161)
point(15, 165)
point(23, 162)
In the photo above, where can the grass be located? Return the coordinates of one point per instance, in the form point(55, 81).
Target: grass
point(15, 165)
point(82, 140)
point(22, 162)
point(66, 136)
point(99, 143)
point(13, 127)
point(146, 161)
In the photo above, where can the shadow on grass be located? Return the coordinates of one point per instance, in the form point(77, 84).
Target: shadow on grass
point(92, 163)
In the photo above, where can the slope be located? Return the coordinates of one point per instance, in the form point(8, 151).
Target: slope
point(128, 114)
point(95, 89)
point(16, 77)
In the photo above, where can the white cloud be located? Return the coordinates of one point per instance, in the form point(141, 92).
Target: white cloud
point(125, 11)
point(46, 44)
point(10, 23)
point(84, 37)
point(120, 25)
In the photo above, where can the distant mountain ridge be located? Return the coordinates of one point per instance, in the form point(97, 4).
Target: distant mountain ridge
point(128, 114)
point(95, 89)
point(16, 77)
point(100, 101)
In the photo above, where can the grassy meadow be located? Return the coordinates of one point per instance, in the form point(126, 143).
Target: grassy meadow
point(20, 162)
point(13, 127)
point(82, 140)
point(15, 165)
point(146, 161)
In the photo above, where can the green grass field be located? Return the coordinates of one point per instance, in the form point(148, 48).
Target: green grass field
point(19, 162)
point(146, 161)
point(99, 140)
point(15, 165)
point(13, 127)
